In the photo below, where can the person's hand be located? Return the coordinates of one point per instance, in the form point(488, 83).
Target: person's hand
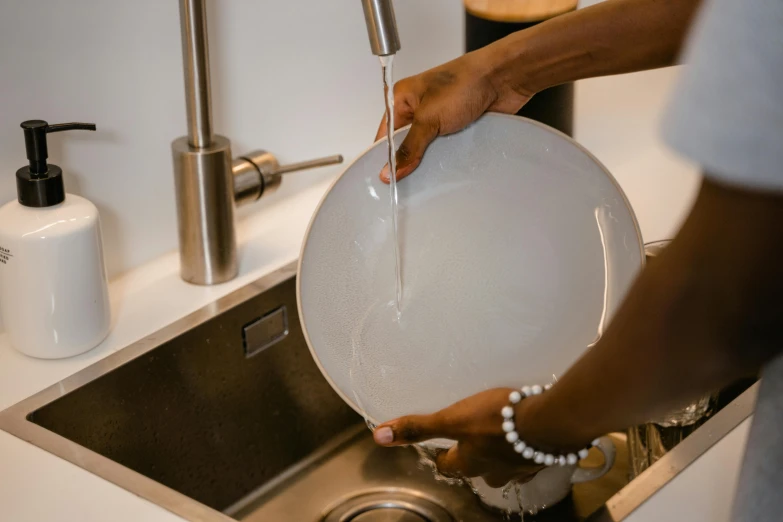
point(446, 99)
point(475, 423)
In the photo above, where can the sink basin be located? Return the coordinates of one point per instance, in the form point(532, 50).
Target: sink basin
point(224, 416)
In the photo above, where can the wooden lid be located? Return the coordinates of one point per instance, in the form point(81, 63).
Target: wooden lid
point(518, 10)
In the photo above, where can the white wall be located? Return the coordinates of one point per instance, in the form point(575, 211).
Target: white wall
point(296, 78)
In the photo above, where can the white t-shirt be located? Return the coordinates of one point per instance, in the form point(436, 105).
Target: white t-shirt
point(727, 115)
point(727, 111)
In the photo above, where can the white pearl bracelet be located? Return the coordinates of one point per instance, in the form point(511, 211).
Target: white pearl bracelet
point(520, 446)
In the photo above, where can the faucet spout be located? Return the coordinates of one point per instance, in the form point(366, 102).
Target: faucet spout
point(381, 27)
point(202, 167)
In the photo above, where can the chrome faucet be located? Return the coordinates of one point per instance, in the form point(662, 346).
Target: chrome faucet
point(381, 27)
point(208, 183)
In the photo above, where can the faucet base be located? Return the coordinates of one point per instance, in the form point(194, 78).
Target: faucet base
point(205, 211)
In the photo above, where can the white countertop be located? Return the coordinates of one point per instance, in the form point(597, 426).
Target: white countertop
point(36, 486)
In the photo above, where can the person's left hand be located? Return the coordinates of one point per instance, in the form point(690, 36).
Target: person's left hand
point(476, 424)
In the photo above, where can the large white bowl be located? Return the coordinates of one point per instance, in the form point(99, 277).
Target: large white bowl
point(517, 246)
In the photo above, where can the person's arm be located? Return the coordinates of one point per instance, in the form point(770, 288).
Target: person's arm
point(613, 37)
point(707, 312)
point(616, 36)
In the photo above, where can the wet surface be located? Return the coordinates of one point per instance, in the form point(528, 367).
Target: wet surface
point(361, 466)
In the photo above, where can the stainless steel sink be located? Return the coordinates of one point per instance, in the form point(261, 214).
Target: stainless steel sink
point(223, 415)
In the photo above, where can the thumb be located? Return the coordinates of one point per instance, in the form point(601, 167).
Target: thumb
point(410, 153)
point(409, 430)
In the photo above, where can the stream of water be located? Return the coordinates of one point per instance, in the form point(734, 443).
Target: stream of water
point(426, 458)
point(387, 63)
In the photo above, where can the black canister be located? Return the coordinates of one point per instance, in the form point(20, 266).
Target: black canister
point(487, 21)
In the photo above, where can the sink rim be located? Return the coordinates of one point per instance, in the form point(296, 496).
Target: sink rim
point(14, 420)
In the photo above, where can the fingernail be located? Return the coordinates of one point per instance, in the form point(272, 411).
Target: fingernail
point(385, 173)
point(384, 435)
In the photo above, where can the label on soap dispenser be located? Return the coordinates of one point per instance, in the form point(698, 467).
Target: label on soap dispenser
point(5, 255)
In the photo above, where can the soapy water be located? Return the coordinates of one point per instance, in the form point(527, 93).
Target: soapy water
point(427, 460)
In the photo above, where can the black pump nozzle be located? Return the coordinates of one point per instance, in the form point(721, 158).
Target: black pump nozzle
point(35, 132)
point(41, 184)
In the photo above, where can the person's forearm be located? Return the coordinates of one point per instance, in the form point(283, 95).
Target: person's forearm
point(616, 36)
point(706, 313)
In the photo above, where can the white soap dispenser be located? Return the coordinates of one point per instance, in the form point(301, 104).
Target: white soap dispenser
point(53, 290)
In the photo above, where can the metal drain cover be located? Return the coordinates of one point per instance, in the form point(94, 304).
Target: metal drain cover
point(388, 506)
point(388, 515)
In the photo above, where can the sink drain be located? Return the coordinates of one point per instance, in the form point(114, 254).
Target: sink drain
point(388, 515)
point(388, 506)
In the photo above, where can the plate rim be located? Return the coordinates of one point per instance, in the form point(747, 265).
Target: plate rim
point(490, 114)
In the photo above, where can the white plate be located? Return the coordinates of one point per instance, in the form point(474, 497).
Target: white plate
point(517, 245)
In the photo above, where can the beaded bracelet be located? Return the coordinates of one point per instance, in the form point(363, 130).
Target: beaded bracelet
point(509, 427)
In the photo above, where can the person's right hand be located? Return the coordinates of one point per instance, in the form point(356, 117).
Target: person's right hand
point(446, 99)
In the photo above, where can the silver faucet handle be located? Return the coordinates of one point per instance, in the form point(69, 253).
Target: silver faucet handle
point(259, 173)
point(310, 164)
